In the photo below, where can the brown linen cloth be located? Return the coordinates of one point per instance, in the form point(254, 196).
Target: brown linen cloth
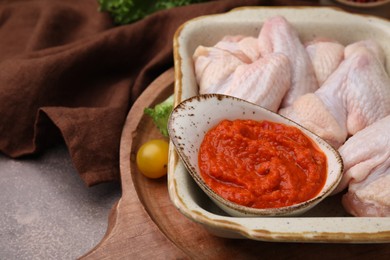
point(67, 73)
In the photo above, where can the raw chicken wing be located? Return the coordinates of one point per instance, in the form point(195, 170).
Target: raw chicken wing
point(366, 157)
point(278, 36)
point(370, 45)
point(214, 68)
point(234, 67)
point(244, 48)
point(264, 82)
point(310, 112)
point(325, 55)
point(356, 95)
point(362, 85)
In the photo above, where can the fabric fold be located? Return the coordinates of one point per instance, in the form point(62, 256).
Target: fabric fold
point(66, 72)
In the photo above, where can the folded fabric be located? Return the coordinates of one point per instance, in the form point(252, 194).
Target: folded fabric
point(67, 73)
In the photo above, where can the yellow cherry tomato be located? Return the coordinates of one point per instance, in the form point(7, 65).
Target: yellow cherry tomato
point(152, 158)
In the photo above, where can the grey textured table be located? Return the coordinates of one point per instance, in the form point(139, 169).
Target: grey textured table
point(46, 210)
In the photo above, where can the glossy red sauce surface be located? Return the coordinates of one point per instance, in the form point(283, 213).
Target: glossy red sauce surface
point(261, 164)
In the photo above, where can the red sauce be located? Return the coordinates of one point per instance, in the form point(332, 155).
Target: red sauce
point(261, 164)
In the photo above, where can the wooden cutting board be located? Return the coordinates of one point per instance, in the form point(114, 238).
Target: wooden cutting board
point(144, 224)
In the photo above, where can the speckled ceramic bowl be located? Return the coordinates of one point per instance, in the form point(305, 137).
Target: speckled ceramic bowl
point(194, 117)
point(327, 222)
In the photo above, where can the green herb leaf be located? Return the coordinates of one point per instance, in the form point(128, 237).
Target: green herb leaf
point(128, 11)
point(160, 114)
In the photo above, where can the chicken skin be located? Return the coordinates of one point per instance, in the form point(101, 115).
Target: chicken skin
point(263, 82)
point(279, 36)
point(325, 55)
point(355, 95)
point(366, 157)
point(214, 68)
point(244, 48)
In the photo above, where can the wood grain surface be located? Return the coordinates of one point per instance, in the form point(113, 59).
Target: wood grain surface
point(144, 224)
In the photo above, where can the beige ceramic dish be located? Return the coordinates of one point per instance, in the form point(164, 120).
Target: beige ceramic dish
point(325, 223)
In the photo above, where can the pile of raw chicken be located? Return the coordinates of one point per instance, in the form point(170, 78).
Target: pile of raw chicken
point(341, 93)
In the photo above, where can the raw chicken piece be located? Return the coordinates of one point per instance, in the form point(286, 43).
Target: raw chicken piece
point(264, 82)
point(234, 67)
point(366, 157)
point(278, 36)
point(363, 201)
point(356, 95)
point(370, 45)
point(325, 55)
point(310, 112)
point(244, 48)
point(363, 87)
point(213, 68)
